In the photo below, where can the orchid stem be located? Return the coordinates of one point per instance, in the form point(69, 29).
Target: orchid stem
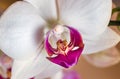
point(114, 23)
point(117, 9)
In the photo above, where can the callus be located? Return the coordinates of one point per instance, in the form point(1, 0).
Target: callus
point(66, 53)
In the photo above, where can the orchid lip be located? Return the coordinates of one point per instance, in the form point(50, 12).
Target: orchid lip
point(66, 54)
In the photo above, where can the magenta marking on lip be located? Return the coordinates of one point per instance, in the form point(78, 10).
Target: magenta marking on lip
point(70, 57)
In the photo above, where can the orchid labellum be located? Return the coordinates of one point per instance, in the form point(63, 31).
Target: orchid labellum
point(43, 35)
point(67, 47)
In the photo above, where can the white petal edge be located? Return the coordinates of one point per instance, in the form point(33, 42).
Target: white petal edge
point(106, 40)
point(18, 26)
point(38, 66)
point(47, 8)
point(90, 17)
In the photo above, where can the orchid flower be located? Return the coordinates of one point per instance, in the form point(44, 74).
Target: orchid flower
point(60, 30)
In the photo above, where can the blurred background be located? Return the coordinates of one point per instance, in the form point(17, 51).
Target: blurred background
point(84, 68)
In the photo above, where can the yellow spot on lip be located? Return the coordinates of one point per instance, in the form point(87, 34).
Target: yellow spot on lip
point(62, 46)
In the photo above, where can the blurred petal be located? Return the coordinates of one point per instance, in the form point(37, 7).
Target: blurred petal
point(66, 74)
point(18, 27)
point(106, 40)
point(86, 15)
point(5, 65)
point(70, 74)
point(3, 72)
point(34, 66)
point(105, 58)
point(47, 8)
point(5, 61)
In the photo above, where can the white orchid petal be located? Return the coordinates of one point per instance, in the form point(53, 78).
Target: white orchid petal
point(47, 8)
point(36, 66)
point(106, 40)
point(18, 26)
point(90, 17)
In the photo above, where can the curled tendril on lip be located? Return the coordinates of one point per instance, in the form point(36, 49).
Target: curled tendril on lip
point(64, 46)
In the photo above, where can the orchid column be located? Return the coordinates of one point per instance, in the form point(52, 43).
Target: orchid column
point(60, 30)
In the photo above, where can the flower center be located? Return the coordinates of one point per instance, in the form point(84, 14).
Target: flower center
point(59, 36)
point(59, 39)
point(62, 46)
